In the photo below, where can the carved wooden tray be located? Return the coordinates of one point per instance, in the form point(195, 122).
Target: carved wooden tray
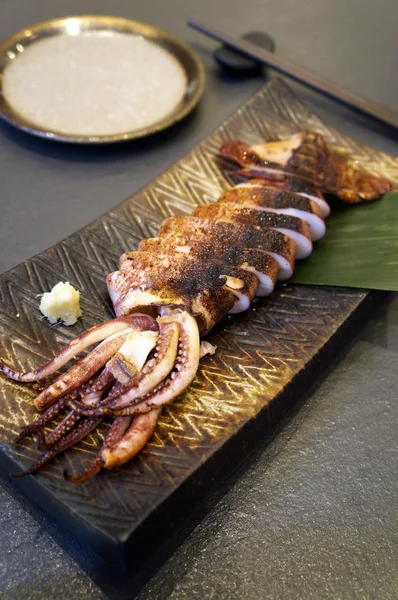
point(265, 360)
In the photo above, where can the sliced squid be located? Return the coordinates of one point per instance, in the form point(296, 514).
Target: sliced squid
point(200, 268)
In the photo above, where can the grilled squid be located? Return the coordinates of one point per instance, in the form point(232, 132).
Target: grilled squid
point(174, 289)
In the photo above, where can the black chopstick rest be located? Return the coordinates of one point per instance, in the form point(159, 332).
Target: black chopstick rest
point(238, 63)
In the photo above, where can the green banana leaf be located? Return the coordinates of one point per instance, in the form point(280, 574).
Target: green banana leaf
point(360, 248)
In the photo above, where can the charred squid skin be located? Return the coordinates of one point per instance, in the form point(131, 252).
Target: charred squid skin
point(91, 336)
point(269, 241)
point(152, 374)
point(201, 271)
point(278, 180)
point(280, 183)
point(263, 265)
point(265, 199)
point(295, 228)
point(179, 380)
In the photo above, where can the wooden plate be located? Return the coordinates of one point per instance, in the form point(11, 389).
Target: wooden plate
point(266, 358)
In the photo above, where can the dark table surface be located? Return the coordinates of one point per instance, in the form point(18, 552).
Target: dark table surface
point(314, 512)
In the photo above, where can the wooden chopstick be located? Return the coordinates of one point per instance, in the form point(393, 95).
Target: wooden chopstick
point(300, 74)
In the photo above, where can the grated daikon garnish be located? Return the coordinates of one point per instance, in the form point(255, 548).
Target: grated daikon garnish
point(95, 83)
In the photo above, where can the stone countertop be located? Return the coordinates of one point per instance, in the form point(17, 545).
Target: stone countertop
point(313, 513)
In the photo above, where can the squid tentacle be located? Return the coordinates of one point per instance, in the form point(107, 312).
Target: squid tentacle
point(185, 370)
point(82, 371)
point(67, 423)
point(93, 394)
point(82, 430)
point(146, 362)
point(124, 441)
point(152, 374)
point(91, 336)
point(44, 419)
point(93, 469)
point(115, 433)
point(135, 438)
point(127, 435)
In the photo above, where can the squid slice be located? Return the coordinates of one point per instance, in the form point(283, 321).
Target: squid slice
point(294, 228)
point(279, 202)
point(91, 336)
point(285, 181)
point(200, 270)
point(263, 265)
point(136, 291)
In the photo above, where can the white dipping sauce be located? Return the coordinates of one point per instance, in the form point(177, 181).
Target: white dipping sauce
point(95, 83)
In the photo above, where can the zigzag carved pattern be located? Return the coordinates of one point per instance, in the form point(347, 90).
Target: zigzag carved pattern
point(258, 353)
